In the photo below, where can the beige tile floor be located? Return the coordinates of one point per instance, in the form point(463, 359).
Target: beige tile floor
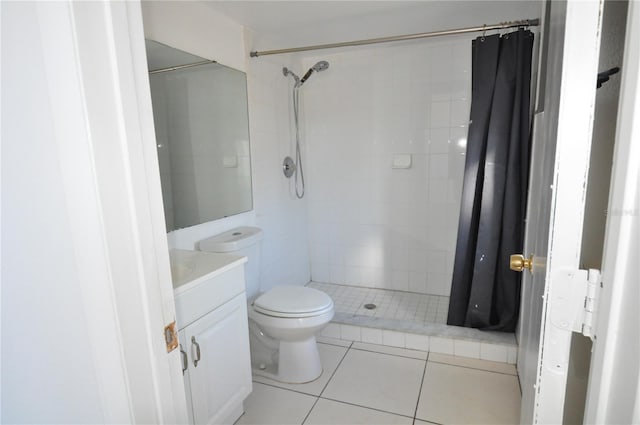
point(373, 384)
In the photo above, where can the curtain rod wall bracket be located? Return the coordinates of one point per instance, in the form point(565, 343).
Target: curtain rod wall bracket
point(484, 28)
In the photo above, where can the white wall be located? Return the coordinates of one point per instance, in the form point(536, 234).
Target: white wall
point(198, 29)
point(195, 28)
point(369, 224)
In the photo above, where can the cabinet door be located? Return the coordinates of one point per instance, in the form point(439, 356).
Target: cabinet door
point(221, 378)
point(184, 348)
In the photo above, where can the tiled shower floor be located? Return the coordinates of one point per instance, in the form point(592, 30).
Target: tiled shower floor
point(393, 305)
point(409, 320)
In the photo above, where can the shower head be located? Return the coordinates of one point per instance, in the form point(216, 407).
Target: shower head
point(320, 66)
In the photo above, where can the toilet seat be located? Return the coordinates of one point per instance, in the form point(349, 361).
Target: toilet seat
point(293, 302)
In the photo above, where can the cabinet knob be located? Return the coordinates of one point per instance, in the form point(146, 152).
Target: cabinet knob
point(196, 357)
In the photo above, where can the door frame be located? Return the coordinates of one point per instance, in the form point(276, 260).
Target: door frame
point(613, 394)
point(572, 66)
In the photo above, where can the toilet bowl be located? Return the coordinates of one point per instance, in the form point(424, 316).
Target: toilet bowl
point(290, 316)
point(283, 321)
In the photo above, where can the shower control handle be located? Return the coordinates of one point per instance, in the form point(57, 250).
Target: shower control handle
point(288, 167)
point(517, 263)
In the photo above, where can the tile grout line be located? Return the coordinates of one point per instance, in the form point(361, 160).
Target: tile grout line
point(325, 385)
point(309, 412)
point(284, 389)
point(336, 369)
point(424, 374)
point(519, 383)
point(389, 354)
point(427, 422)
point(474, 368)
point(336, 344)
point(366, 407)
point(416, 358)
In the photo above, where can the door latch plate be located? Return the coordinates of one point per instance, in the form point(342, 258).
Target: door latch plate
point(171, 336)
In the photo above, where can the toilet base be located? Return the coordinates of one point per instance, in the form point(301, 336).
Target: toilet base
point(298, 363)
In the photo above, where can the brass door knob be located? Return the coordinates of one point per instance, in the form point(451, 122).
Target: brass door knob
point(518, 263)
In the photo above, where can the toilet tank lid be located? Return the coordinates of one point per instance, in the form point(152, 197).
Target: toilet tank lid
point(232, 240)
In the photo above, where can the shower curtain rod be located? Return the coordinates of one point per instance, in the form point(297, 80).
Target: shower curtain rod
point(502, 25)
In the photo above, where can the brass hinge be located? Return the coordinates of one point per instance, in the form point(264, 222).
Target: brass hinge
point(171, 336)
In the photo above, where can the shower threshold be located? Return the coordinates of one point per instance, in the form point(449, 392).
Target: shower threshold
point(409, 320)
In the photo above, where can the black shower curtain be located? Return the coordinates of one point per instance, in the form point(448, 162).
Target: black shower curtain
point(485, 293)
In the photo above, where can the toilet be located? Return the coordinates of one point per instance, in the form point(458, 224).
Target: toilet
point(283, 321)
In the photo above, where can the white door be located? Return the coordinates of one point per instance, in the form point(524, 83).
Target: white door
point(559, 170)
point(85, 194)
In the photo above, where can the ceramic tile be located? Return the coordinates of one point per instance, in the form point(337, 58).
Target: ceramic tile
point(439, 140)
point(440, 114)
point(494, 352)
point(438, 167)
point(332, 330)
point(441, 345)
point(270, 405)
point(328, 412)
point(452, 394)
point(350, 333)
point(490, 366)
point(417, 342)
point(418, 281)
point(460, 112)
point(413, 307)
point(320, 271)
point(380, 381)
point(393, 338)
point(464, 348)
point(395, 351)
point(330, 357)
point(371, 335)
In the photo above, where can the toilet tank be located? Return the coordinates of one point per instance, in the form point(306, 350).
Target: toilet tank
point(240, 241)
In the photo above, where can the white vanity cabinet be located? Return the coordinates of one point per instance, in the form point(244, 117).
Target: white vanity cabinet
point(211, 313)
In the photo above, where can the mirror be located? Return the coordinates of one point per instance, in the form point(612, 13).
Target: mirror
point(202, 134)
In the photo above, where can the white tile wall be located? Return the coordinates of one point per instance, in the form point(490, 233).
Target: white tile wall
point(283, 217)
point(441, 345)
point(370, 225)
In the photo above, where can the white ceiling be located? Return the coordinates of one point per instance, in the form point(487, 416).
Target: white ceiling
point(279, 24)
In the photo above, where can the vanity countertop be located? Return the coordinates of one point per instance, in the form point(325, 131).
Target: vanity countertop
point(190, 268)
